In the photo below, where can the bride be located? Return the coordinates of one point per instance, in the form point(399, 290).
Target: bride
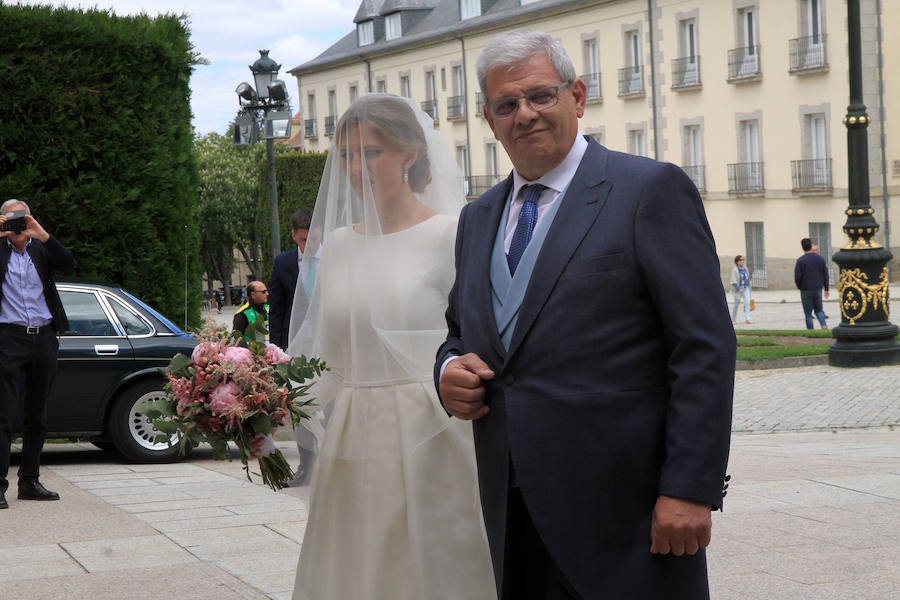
point(394, 511)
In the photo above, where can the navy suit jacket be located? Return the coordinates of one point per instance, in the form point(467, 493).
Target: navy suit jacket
point(285, 271)
point(617, 385)
point(47, 258)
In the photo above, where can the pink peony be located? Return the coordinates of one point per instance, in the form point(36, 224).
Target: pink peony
point(207, 350)
point(238, 356)
point(274, 354)
point(223, 398)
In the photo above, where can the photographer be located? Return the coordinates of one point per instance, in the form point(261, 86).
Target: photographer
point(31, 317)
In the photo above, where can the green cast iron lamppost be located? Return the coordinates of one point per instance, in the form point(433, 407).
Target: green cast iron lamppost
point(268, 104)
point(865, 337)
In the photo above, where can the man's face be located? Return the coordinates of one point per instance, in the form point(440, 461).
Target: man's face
point(259, 294)
point(17, 239)
point(300, 236)
point(536, 141)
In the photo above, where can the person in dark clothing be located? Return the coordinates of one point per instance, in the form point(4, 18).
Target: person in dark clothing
point(811, 276)
point(256, 307)
point(31, 318)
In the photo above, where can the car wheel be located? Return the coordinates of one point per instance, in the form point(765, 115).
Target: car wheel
point(132, 433)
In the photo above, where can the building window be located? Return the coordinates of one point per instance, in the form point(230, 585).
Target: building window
point(743, 61)
point(808, 51)
point(309, 124)
point(393, 26)
point(636, 142)
point(686, 70)
point(332, 113)
point(820, 235)
point(813, 172)
point(404, 86)
point(631, 78)
point(429, 105)
point(381, 86)
point(456, 104)
point(591, 77)
point(693, 156)
point(746, 176)
point(365, 33)
point(754, 234)
point(462, 159)
point(469, 9)
point(354, 93)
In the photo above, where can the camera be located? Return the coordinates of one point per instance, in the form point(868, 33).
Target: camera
point(15, 221)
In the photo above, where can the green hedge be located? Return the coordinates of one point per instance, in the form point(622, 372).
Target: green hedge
point(297, 177)
point(96, 137)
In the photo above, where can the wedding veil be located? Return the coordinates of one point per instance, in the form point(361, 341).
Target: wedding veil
point(388, 172)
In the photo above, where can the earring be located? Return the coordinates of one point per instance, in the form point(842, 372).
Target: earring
point(405, 174)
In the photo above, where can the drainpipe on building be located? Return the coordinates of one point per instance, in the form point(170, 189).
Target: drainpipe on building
point(653, 80)
point(368, 75)
point(881, 114)
point(465, 91)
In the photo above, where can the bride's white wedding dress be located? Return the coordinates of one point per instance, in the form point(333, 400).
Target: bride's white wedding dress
point(394, 513)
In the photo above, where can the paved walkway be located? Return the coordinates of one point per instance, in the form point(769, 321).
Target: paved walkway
point(812, 511)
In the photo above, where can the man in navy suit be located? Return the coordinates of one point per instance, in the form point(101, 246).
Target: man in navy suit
point(590, 343)
point(31, 318)
point(285, 271)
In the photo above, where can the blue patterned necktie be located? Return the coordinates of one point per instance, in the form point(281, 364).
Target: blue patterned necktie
point(525, 225)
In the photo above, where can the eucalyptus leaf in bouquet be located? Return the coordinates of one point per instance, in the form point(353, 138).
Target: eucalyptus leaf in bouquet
point(235, 389)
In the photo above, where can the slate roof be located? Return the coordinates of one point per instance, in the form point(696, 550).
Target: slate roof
point(443, 20)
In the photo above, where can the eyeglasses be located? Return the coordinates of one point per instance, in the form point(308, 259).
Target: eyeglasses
point(260, 292)
point(538, 100)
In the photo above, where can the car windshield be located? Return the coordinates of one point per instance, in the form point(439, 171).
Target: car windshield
point(171, 326)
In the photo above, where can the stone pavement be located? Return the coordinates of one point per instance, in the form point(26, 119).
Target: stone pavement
point(812, 511)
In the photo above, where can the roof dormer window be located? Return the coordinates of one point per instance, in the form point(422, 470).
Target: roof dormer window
point(469, 9)
point(393, 26)
point(365, 33)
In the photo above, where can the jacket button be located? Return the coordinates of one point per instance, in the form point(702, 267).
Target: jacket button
point(509, 379)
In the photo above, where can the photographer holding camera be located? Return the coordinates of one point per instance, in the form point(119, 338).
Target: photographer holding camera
point(31, 317)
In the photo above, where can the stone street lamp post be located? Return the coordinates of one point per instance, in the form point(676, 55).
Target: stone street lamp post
point(865, 337)
point(268, 104)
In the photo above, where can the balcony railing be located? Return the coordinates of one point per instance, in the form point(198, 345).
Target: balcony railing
point(812, 174)
point(743, 63)
point(456, 108)
point(631, 81)
point(697, 173)
point(479, 104)
point(808, 53)
point(686, 72)
point(592, 81)
point(309, 128)
point(479, 184)
point(744, 178)
point(329, 125)
point(429, 107)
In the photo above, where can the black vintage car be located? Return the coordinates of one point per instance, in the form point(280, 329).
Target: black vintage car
point(111, 361)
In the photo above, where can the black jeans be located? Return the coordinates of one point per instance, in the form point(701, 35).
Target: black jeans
point(27, 369)
point(529, 572)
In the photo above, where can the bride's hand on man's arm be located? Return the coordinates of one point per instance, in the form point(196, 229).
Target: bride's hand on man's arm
point(462, 387)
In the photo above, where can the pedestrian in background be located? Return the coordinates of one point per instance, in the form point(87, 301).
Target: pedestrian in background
point(811, 276)
point(740, 283)
point(31, 318)
point(256, 307)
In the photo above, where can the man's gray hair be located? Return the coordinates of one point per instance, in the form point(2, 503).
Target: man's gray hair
point(517, 46)
point(12, 201)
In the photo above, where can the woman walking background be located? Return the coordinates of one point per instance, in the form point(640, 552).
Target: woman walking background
point(740, 284)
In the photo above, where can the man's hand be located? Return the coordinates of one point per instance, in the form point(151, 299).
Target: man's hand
point(827, 294)
point(34, 230)
point(679, 526)
point(3, 234)
point(462, 387)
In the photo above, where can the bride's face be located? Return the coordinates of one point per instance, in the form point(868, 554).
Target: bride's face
point(365, 154)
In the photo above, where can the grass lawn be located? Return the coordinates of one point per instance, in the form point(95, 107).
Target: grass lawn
point(761, 344)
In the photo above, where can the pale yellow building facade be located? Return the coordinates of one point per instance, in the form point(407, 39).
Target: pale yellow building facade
point(748, 96)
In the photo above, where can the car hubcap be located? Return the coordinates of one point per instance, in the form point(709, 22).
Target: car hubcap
point(141, 426)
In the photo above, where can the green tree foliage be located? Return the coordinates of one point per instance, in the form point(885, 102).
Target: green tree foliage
point(228, 185)
point(96, 137)
point(297, 178)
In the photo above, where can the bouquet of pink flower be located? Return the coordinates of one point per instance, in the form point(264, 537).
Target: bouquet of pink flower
point(234, 390)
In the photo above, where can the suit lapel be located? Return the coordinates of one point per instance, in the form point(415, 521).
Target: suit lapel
point(582, 202)
point(485, 226)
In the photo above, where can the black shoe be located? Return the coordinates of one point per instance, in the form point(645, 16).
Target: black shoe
point(31, 489)
point(3, 502)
